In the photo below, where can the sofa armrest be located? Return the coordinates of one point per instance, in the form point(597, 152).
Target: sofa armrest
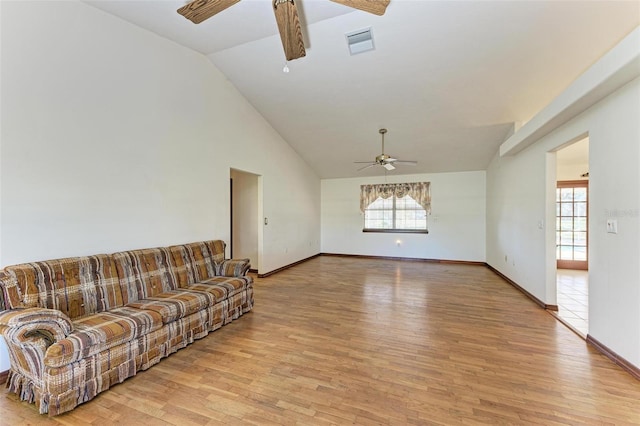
point(233, 268)
point(28, 333)
point(23, 328)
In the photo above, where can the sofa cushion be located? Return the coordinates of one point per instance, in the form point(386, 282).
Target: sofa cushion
point(9, 291)
point(77, 286)
point(195, 262)
point(217, 249)
point(221, 287)
point(95, 333)
point(144, 273)
point(175, 304)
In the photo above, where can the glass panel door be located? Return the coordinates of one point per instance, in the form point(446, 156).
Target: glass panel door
point(571, 224)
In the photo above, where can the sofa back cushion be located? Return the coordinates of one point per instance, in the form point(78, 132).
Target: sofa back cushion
point(8, 290)
point(195, 262)
point(144, 273)
point(77, 286)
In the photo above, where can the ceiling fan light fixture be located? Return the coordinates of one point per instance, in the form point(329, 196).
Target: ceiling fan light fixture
point(360, 41)
point(385, 160)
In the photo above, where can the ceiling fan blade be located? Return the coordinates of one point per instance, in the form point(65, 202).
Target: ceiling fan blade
point(377, 7)
point(405, 163)
point(366, 167)
point(289, 26)
point(388, 166)
point(364, 162)
point(199, 10)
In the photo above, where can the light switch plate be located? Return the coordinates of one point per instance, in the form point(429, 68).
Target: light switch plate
point(612, 226)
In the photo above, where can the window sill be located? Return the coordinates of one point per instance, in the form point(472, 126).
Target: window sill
point(397, 231)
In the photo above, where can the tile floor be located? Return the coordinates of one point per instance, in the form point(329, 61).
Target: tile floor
point(573, 298)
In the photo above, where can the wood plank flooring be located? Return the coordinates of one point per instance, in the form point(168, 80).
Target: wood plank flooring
point(373, 342)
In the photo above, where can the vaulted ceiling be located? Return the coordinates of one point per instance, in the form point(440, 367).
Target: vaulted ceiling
point(448, 78)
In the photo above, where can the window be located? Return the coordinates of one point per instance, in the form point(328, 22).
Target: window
point(396, 207)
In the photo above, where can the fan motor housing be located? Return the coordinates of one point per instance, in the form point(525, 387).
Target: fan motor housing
point(383, 158)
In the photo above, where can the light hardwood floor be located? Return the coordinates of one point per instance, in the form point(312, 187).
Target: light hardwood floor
point(361, 341)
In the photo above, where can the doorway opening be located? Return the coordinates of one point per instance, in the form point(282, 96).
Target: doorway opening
point(572, 235)
point(245, 213)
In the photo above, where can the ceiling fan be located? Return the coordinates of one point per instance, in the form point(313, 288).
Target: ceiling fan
point(286, 17)
point(385, 160)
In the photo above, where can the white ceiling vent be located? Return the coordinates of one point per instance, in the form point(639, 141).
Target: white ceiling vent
point(360, 41)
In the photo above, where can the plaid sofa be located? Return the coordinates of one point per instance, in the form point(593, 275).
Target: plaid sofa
point(74, 327)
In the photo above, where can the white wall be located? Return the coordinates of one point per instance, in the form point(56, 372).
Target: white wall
point(515, 208)
point(4, 355)
point(573, 161)
point(245, 216)
point(113, 138)
point(516, 202)
point(456, 225)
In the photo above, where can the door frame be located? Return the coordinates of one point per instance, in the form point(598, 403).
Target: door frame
point(258, 261)
point(551, 267)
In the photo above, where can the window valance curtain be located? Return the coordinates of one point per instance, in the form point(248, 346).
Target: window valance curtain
point(419, 191)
